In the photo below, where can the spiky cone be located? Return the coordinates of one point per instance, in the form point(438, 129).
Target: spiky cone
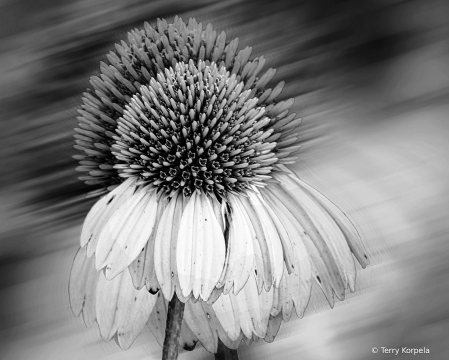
point(190, 150)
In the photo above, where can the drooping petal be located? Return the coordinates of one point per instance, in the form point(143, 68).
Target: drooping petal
point(215, 294)
point(300, 280)
point(136, 269)
point(213, 249)
point(285, 296)
point(346, 226)
point(332, 234)
point(225, 313)
point(142, 269)
point(274, 323)
point(200, 248)
point(82, 286)
point(197, 320)
point(165, 240)
point(122, 309)
point(240, 261)
point(101, 212)
point(286, 242)
point(252, 309)
point(187, 339)
point(126, 233)
point(158, 318)
point(262, 255)
point(157, 322)
point(272, 237)
point(304, 249)
point(150, 275)
point(317, 248)
point(326, 227)
point(185, 246)
point(216, 326)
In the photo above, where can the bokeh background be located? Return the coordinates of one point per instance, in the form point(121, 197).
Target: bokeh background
point(371, 80)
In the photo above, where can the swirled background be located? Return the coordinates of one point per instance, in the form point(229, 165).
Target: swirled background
point(371, 80)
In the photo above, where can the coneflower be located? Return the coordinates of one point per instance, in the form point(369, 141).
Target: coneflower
point(190, 149)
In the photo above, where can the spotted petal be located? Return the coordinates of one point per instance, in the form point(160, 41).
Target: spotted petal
point(125, 234)
point(122, 309)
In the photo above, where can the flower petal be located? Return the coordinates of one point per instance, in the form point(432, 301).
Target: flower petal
point(272, 237)
point(300, 283)
point(158, 318)
point(82, 286)
point(185, 246)
point(346, 226)
point(101, 212)
point(125, 234)
point(315, 244)
point(197, 320)
point(286, 243)
point(217, 327)
point(285, 296)
point(225, 313)
point(274, 323)
point(326, 226)
point(214, 250)
point(252, 309)
point(157, 322)
point(261, 252)
point(166, 237)
point(200, 248)
point(122, 309)
point(240, 261)
point(142, 268)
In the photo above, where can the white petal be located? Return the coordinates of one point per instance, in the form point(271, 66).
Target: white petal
point(272, 236)
point(198, 240)
point(215, 294)
point(287, 247)
point(157, 322)
point(225, 314)
point(262, 255)
point(217, 327)
point(285, 296)
point(328, 272)
point(122, 309)
point(98, 217)
point(126, 233)
point(273, 327)
point(347, 228)
point(252, 310)
point(187, 339)
point(327, 227)
point(151, 279)
point(200, 248)
point(343, 222)
point(82, 286)
point(185, 246)
point(198, 322)
point(300, 279)
point(142, 268)
point(214, 250)
point(136, 269)
point(240, 262)
point(165, 237)
point(158, 319)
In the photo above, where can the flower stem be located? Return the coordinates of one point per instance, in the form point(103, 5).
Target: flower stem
point(224, 353)
point(173, 329)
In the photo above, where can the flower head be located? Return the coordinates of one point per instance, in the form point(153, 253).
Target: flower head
point(190, 148)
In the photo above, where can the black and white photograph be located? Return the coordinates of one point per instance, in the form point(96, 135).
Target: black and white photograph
point(224, 180)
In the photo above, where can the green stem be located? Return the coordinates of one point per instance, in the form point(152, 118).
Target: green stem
point(173, 329)
point(224, 353)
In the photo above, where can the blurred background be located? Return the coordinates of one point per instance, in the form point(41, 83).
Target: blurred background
point(371, 80)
